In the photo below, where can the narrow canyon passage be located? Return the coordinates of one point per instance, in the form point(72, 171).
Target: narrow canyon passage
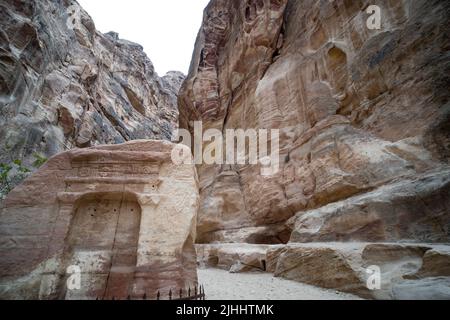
point(308, 140)
point(222, 285)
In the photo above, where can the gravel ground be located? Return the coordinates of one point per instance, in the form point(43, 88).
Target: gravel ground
point(222, 285)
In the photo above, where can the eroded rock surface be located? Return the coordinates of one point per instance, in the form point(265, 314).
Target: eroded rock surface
point(358, 109)
point(125, 215)
point(414, 210)
point(407, 271)
point(234, 257)
point(363, 116)
point(344, 266)
point(64, 85)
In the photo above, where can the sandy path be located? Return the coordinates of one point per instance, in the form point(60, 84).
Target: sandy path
point(222, 285)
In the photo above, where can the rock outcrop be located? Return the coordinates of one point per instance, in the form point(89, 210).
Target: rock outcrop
point(123, 215)
point(358, 109)
point(344, 266)
point(364, 168)
point(407, 271)
point(408, 210)
point(363, 115)
point(233, 257)
point(65, 85)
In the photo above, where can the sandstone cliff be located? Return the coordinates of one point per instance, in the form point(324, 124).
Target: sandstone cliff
point(363, 116)
point(65, 85)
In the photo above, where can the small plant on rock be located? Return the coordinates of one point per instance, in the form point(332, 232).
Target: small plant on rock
point(14, 173)
point(40, 160)
point(5, 186)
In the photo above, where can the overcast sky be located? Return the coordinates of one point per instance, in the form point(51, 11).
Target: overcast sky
point(167, 29)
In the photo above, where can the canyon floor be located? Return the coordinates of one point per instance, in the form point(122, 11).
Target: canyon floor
point(222, 285)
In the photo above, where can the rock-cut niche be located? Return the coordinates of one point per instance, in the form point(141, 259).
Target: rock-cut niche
point(102, 241)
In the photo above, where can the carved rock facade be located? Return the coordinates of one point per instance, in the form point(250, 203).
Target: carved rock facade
point(124, 215)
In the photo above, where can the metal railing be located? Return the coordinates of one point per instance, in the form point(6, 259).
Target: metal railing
point(196, 293)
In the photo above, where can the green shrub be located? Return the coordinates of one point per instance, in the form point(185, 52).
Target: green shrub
point(14, 173)
point(5, 182)
point(40, 160)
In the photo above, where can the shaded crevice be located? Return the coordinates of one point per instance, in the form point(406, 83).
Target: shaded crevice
point(135, 101)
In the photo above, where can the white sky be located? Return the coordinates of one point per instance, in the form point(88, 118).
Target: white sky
point(167, 29)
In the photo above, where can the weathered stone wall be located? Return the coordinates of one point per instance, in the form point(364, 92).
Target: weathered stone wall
point(125, 214)
point(359, 110)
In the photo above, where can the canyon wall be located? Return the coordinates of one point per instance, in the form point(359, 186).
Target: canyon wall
point(363, 190)
point(364, 172)
point(363, 116)
point(65, 85)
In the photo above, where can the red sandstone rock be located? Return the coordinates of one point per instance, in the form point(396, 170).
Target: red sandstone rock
point(363, 117)
point(358, 109)
point(65, 85)
point(124, 214)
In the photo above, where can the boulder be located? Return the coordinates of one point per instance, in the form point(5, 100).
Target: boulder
point(235, 258)
point(406, 271)
point(414, 210)
point(357, 109)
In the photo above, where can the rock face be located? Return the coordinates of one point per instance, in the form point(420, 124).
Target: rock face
point(65, 85)
point(407, 271)
point(233, 257)
point(125, 215)
point(414, 210)
point(343, 266)
point(357, 109)
point(363, 115)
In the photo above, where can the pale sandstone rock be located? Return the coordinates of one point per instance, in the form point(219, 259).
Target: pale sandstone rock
point(233, 257)
point(272, 257)
point(65, 85)
point(408, 271)
point(363, 118)
point(412, 209)
point(270, 234)
point(124, 214)
point(425, 289)
point(343, 266)
point(436, 263)
point(357, 109)
point(320, 266)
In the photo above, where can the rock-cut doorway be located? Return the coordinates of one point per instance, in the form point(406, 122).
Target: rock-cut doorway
point(102, 242)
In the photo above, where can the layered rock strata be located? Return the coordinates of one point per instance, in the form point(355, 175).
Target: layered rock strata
point(63, 84)
point(357, 109)
point(363, 115)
